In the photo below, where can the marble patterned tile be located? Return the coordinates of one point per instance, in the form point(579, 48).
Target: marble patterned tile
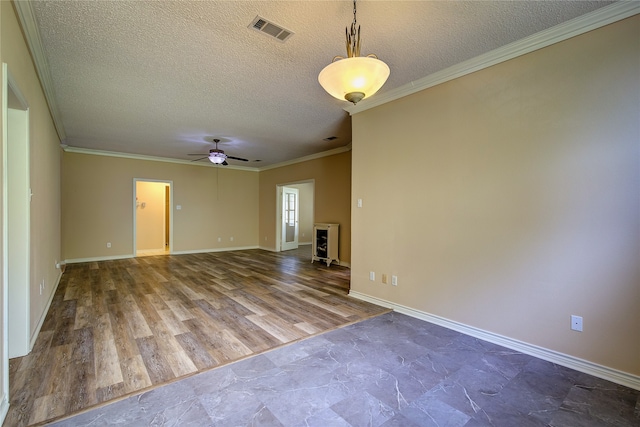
point(430, 411)
point(326, 418)
point(390, 370)
point(300, 350)
point(363, 409)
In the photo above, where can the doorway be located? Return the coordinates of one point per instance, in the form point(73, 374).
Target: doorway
point(152, 217)
point(295, 214)
point(290, 222)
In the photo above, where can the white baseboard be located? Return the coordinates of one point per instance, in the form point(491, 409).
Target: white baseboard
point(44, 314)
point(196, 251)
point(202, 251)
point(600, 371)
point(4, 408)
point(98, 258)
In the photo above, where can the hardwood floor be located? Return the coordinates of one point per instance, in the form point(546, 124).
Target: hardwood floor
point(117, 327)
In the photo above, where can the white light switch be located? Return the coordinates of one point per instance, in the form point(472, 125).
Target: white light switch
point(359, 203)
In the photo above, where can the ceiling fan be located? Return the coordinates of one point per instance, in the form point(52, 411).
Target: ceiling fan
point(217, 156)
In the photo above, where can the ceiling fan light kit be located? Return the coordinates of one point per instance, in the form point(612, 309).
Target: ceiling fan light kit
point(217, 157)
point(355, 77)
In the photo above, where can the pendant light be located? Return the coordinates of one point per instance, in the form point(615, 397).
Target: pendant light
point(355, 77)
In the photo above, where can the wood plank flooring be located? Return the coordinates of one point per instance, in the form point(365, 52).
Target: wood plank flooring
point(117, 327)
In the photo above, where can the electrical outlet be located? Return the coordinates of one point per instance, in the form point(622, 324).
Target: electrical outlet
point(372, 276)
point(231, 238)
point(108, 244)
point(394, 280)
point(576, 323)
point(219, 239)
point(384, 278)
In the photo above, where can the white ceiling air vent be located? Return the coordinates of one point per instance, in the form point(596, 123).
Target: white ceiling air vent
point(269, 28)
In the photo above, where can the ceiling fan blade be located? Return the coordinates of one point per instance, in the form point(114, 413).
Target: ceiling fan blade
point(198, 154)
point(201, 158)
point(237, 158)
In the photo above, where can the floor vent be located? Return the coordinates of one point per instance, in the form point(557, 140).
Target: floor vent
point(267, 27)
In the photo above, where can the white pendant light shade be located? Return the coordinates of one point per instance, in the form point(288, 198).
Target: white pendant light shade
point(354, 78)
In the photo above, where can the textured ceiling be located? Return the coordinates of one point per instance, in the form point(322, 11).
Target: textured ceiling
point(162, 78)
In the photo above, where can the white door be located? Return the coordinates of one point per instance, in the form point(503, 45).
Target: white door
point(290, 207)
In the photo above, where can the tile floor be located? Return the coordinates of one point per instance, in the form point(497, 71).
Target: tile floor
point(391, 370)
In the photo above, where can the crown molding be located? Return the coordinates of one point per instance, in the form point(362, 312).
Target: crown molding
point(580, 25)
point(68, 149)
point(76, 150)
point(32, 37)
point(309, 157)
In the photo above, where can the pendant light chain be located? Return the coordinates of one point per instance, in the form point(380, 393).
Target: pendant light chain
point(353, 38)
point(354, 13)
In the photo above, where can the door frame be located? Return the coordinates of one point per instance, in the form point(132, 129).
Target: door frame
point(293, 245)
point(20, 299)
point(135, 211)
point(279, 189)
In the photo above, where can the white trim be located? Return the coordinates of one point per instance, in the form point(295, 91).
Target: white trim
point(68, 149)
point(97, 259)
point(32, 35)
point(4, 408)
point(580, 25)
point(202, 251)
point(600, 371)
point(44, 314)
point(135, 211)
point(17, 343)
point(4, 387)
point(309, 157)
point(195, 251)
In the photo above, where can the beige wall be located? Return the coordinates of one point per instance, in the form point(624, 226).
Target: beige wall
point(332, 177)
point(150, 215)
point(45, 167)
point(514, 203)
point(97, 199)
